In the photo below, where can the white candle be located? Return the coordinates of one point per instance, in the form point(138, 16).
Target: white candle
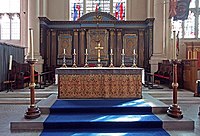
point(85, 51)
point(134, 51)
point(122, 51)
point(174, 45)
point(111, 51)
point(31, 43)
point(10, 63)
point(74, 51)
point(64, 51)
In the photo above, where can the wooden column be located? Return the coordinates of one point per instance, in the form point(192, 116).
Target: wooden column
point(140, 51)
point(33, 111)
point(174, 110)
point(112, 44)
point(119, 47)
point(76, 44)
point(82, 48)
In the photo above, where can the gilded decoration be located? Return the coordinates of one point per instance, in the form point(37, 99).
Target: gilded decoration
point(100, 86)
point(93, 37)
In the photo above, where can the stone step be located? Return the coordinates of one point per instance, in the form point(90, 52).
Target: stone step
point(37, 124)
point(24, 95)
point(18, 100)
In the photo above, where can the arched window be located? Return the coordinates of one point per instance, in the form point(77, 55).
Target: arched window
point(81, 7)
point(190, 28)
point(9, 19)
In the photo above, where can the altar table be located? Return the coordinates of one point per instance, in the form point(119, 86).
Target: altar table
point(99, 82)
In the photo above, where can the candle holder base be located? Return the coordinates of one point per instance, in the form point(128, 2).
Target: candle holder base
point(134, 66)
point(86, 65)
point(174, 111)
point(74, 65)
point(32, 113)
point(99, 65)
point(122, 66)
point(111, 65)
point(64, 65)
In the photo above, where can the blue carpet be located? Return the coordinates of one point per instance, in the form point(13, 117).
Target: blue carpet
point(102, 118)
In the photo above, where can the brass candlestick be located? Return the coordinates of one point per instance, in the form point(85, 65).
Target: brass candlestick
point(134, 59)
point(174, 109)
point(123, 58)
point(74, 56)
point(111, 59)
point(64, 60)
point(86, 58)
point(33, 111)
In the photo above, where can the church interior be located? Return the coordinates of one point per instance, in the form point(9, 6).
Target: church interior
point(100, 67)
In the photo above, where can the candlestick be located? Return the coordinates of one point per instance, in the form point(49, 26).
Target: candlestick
point(111, 58)
point(134, 51)
point(123, 57)
point(86, 54)
point(10, 63)
point(122, 51)
point(174, 45)
point(31, 43)
point(74, 64)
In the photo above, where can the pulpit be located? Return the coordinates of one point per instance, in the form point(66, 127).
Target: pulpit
point(99, 82)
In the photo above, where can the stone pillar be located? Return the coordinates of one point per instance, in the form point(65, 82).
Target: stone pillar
point(150, 8)
point(33, 22)
point(159, 37)
point(24, 22)
point(76, 44)
point(43, 8)
point(82, 48)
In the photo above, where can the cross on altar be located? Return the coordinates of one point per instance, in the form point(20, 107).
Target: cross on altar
point(99, 48)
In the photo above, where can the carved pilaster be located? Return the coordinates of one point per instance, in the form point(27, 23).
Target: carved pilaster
point(141, 49)
point(112, 44)
point(82, 47)
point(119, 46)
point(76, 44)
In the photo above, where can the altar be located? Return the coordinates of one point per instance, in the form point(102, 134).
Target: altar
point(99, 82)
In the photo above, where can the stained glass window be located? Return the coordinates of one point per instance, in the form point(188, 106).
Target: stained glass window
point(76, 9)
point(80, 7)
point(119, 9)
point(9, 19)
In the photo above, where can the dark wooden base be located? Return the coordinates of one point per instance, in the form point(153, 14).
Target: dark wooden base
point(174, 111)
point(32, 113)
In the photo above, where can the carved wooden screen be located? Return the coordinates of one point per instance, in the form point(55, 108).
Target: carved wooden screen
point(64, 42)
point(129, 44)
point(93, 36)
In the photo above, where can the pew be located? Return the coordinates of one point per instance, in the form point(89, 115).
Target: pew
point(165, 73)
point(22, 74)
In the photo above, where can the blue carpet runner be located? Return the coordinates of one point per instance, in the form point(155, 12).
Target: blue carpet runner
point(110, 117)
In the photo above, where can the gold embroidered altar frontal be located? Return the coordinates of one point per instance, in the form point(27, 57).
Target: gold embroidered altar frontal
point(100, 84)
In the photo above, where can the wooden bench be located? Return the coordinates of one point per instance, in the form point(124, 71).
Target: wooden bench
point(165, 73)
point(22, 73)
